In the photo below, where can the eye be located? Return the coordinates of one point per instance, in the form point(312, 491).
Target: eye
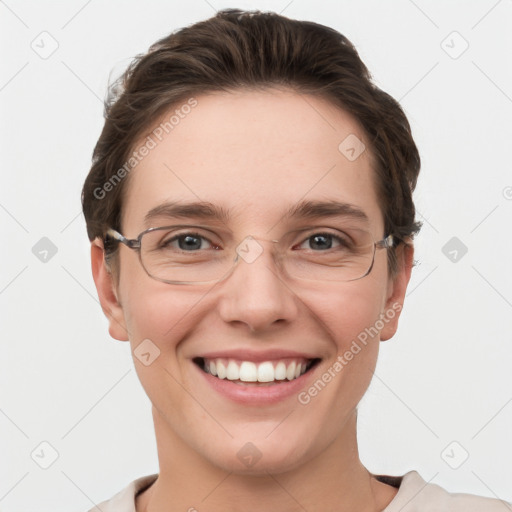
point(323, 241)
point(190, 242)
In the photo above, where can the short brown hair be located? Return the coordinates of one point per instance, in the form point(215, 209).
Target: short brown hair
point(242, 49)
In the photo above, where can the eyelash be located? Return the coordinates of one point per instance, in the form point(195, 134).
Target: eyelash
point(183, 235)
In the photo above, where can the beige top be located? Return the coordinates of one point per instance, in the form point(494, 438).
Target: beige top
point(414, 495)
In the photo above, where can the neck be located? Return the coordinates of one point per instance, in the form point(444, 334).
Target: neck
point(335, 479)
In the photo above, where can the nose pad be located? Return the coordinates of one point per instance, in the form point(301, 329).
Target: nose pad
point(250, 249)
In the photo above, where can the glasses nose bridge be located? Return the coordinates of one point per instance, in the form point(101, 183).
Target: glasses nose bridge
point(252, 247)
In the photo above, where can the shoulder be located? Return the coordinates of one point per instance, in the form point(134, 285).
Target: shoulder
point(416, 495)
point(124, 501)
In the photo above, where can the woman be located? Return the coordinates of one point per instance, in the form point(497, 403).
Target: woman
point(251, 218)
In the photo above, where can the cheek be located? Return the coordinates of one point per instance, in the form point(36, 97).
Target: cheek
point(160, 314)
point(159, 320)
point(349, 311)
point(150, 308)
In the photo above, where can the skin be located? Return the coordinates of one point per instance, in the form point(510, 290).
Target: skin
point(257, 152)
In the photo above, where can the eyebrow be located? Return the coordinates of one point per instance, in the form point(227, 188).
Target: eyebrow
point(302, 210)
point(332, 208)
point(198, 210)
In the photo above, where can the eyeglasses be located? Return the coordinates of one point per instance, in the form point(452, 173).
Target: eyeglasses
point(188, 254)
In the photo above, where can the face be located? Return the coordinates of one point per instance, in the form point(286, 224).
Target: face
point(255, 155)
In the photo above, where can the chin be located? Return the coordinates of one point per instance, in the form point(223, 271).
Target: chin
point(261, 457)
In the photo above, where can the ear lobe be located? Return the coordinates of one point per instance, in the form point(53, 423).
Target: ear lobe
point(107, 293)
point(396, 291)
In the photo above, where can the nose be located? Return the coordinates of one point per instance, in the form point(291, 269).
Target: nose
point(255, 294)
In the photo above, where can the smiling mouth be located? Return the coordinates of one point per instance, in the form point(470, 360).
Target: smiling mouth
point(251, 373)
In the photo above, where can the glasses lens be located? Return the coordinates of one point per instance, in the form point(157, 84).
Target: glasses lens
point(333, 255)
point(180, 255)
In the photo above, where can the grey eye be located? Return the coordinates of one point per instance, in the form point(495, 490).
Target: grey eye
point(187, 242)
point(321, 241)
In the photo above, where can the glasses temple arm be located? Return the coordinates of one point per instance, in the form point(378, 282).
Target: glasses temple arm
point(115, 235)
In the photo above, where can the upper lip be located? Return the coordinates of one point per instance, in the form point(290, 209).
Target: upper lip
point(257, 356)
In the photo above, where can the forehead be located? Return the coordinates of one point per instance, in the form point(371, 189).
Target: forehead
point(254, 154)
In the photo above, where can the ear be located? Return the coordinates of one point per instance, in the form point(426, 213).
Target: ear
point(397, 287)
point(107, 292)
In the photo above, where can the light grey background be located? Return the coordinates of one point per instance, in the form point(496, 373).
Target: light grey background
point(444, 378)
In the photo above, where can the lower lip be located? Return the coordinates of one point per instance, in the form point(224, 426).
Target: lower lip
point(256, 394)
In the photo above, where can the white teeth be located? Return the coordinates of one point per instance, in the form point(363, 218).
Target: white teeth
point(290, 371)
point(266, 372)
point(232, 371)
point(248, 371)
point(280, 371)
point(221, 370)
